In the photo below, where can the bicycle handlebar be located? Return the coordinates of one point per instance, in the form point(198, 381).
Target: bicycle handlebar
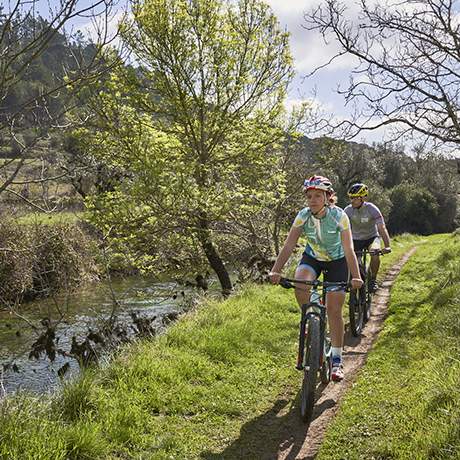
point(287, 283)
point(372, 252)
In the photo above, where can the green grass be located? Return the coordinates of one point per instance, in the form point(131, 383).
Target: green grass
point(399, 246)
point(221, 383)
point(40, 218)
point(186, 393)
point(406, 401)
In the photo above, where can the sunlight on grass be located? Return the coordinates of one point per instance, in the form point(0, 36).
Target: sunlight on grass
point(224, 373)
point(51, 218)
point(406, 402)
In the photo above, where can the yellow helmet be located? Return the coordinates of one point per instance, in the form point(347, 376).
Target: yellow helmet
point(358, 190)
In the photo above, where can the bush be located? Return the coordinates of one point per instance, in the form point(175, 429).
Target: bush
point(414, 210)
point(62, 259)
point(16, 262)
point(37, 260)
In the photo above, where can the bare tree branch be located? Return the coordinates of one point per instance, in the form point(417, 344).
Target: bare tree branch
point(25, 37)
point(408, 70)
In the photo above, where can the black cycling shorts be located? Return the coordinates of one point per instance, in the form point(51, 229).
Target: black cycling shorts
point(334, 270)
point(359, 245)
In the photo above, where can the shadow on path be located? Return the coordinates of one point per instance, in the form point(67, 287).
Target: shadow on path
point(279, 428)
point(279, 433)
point(350, 340)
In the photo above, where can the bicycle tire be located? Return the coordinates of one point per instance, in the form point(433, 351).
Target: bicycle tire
point(358, 306)
point(368, 301)
point(356, 312)
point(311, 365)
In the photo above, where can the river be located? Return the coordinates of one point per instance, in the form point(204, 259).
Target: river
point(81, 309)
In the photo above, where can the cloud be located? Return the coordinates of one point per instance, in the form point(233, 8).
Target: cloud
point(307, 46)
point(98, 27)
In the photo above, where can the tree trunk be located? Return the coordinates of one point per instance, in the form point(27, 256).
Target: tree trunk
point(214, 259)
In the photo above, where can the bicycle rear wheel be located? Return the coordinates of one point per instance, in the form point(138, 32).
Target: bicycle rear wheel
point(367, 297)
point(311, 365)
point(356, 310)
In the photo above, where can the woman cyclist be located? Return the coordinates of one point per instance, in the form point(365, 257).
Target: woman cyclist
point(329, 249)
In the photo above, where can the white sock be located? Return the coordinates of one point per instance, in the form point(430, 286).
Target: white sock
point(336, 352)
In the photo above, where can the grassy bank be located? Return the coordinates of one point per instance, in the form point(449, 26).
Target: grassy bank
point(218, 384)
point(38, 218)
point(406, 402)
point(187, 392)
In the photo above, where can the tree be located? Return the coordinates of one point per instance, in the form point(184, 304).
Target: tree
point(437, 175)
point(407, 65)
point(43, 69)
point(344, 163)
point(393, 164)
point(414, 210)
point(196, 125)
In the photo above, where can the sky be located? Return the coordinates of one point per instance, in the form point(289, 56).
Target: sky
point(308, 49)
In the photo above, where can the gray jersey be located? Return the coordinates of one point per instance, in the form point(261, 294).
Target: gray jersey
point(364, 220)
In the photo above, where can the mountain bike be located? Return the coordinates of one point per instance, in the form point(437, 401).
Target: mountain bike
point(360, 300)
point(314, 353)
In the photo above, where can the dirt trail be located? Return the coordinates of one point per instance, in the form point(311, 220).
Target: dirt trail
point(300, 445)
point(279, 434)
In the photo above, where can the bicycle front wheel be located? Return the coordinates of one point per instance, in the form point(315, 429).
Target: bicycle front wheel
point(311, 366)
point(325, 371)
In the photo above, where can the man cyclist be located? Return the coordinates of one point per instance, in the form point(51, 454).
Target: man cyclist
point(329, 249)
point(367, 224)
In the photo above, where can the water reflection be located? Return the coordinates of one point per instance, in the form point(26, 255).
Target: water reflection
point(79, 312)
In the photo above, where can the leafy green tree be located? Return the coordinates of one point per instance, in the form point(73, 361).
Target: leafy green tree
point(196, 127)
point(414, 210)
point(344, 163)
point(393, 164)
point(437, 174)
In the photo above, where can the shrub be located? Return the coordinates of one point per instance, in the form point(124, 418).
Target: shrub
point(37, 260)
point(414, 210)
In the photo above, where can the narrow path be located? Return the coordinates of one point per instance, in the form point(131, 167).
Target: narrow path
point(298, 444)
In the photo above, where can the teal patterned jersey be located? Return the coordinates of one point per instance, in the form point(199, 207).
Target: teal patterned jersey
point(323, 235)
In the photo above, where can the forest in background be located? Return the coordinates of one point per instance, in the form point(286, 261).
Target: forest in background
point(81, 130)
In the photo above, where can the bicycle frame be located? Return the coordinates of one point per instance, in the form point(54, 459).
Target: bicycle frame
point(312, 355)
point(362, 259)
point(315, 308)
point(361, 255)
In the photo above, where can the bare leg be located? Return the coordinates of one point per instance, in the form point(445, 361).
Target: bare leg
point(302, 292)
point(334, 303)
point(374, 266)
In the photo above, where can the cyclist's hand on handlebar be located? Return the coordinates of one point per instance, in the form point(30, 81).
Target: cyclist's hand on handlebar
point(386, 250)
point(274, 277)
point(356, 283)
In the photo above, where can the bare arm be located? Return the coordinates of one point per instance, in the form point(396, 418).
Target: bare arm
point(286, 251)
point(383, 232)
point(350, 256)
